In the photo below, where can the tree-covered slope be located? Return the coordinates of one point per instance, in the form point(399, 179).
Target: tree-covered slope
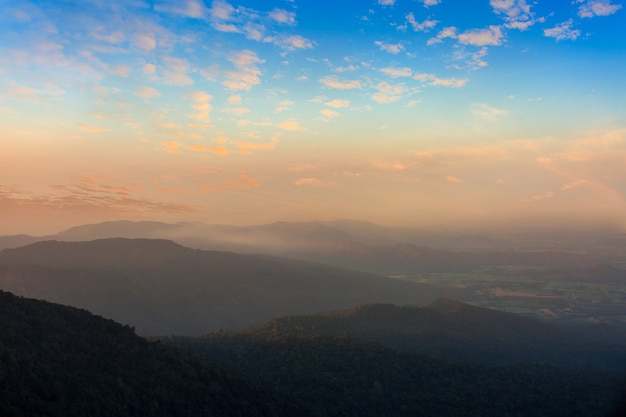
point(452, 330)
point(350, 378)
point(61, 361)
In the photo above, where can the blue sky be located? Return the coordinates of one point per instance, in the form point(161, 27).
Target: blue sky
point(405, 112)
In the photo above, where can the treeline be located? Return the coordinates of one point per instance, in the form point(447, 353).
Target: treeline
point(350, 378)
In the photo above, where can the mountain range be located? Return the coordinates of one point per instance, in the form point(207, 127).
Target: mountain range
point(161, 287)
point(351, 244)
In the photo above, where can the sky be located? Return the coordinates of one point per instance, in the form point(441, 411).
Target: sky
point(425, 113)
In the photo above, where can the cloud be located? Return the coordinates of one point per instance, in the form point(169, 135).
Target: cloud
point(454, 180)
point(289, 125)
point(334, 82)
point(428, 3)
point(234, 99)
point(257, 146)
point(396, 72)
point(202, 106)
point(247, 74)
point(592, 8)
point(92, 128)
point(94, 194)
point(329, 114)
point(386, 2)
point(175, 72)
point(388, 93)
point(308, 181)
point(539, 197)
point(424, 26)
point(445, 33)
point(146, 92)
point(338, 103)
point(145, 41)
point(149, 69)
point(573, 184)
point(391, 48)
point(482, 37)
point(563, 31)
point(516, 13)
point(221, 10)
point(188, 8)
point(290, 43)
point(172, 147)
point(283, 16)
point(433, 80)
point(487, 112)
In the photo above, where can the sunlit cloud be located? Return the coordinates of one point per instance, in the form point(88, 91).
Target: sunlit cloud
point(428, 3)
point(453, 179)
point(482, 37)
point(172, 147)
point(328, 113)
point(573, 184)
point(241, 182)
point(257, 146)
point(397, 72)
point(592, 8)
point(247, 74)
point(337, 103)
point(308, 181)
point(289, 125)
point(334, 82)
point(445, 33)
point(388, 93)
point(424, 26)
point(391, 48)
point(146, 92)
point(283, 16)
point(433, 80)
point(187, 8)
point(176, 70)
point(92, 128)
point(516, 13)
point(563, 31)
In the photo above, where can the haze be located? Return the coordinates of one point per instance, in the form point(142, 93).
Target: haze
point(430, 113)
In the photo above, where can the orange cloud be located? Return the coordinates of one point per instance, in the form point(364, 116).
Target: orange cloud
point(290, 125)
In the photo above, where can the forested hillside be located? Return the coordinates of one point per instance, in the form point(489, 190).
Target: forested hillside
point(58, 361)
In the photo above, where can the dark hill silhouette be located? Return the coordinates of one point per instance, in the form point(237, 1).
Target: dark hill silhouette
point(60, 361)
point(453, 330)
point(162, 288)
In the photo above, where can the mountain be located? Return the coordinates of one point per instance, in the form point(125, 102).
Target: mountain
point(162, 288)
point(59, 361)
point(452, 330)
point(350, 244)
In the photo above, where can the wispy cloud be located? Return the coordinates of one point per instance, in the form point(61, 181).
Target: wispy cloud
point(392, 48)
point(563, 31)
point(433, 80)
point(388, 93)
point(334, 82)
point(397, 72)
point(247, 73)
point(487, 112)
point(423, 26)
